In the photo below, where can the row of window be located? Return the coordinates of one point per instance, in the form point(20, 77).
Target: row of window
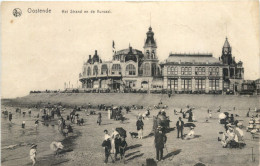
point(116, 69)
point(188, 70)
point(200, 84)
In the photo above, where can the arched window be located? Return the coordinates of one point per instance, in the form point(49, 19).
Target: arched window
point(147, 69)
point(104, 69)
point(153, 54)
point(148, 54)
point(84, 71)
point(95, 70)
point(89, 71)
point(116, 69)
point(153, 69)
point(130, 69)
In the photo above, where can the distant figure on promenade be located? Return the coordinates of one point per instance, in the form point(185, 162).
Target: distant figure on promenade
point(140, 127)
point(33, 152)
point(99, 120)
point(159, 141)
point(180, 126)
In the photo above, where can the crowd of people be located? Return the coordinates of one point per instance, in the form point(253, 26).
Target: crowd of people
point(115, 142)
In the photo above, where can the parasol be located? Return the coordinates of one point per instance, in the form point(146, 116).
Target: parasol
point(121, 131)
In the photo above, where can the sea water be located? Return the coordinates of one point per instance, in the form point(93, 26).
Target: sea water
point(16, 141)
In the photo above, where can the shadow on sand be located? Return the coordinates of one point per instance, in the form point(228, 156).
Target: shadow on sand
point(149, 135)
point(174, 153)
point(135, 156)
point(133, 146)
point(130, 154)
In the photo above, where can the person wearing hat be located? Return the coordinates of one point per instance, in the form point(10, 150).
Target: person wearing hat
point(180, 125)
point(159, 141)
point(140, 127)
point(107, 146)
point(33, 154)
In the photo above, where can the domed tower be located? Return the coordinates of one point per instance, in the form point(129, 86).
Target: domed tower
point(150, 45)
point(226, 53)
point(150, 61)
point(95, 57)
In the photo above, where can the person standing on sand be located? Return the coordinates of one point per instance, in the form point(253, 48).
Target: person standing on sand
point(117, 145)
point(159, 141)
point(23, 124)
point(113, 136)
point(10, 116)
point(122, 149)
point(107, 146)
point(36, 124)
point(33, 154)
point(140, 127)
point(180, 125)
point(99, 120)
point(109, 113)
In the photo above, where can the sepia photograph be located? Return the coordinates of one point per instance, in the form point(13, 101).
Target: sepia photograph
point(130, 83)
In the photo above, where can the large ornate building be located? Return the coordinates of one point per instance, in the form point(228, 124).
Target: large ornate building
point(134, 70)
point(129, 70)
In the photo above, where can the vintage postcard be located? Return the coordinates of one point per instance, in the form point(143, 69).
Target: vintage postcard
point(130, 83)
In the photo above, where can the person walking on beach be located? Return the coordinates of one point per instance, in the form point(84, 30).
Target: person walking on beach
point(113, 136)
point(99, 120)
point(140, 127)
point(180, 125)
point(33, 154)
point(159, 141)
point(107, 146)
point(117, 145)
point(122, 149)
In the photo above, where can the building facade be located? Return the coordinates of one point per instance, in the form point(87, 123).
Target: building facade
point(192, 73)
point(133, 70)
point(130, 69)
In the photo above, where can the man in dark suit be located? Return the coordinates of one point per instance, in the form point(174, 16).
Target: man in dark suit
point(180, 125)
point(159, 141)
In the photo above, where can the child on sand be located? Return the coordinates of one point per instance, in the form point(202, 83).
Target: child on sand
point(33, 154)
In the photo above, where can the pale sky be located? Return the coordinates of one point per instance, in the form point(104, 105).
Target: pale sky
point(42, 51)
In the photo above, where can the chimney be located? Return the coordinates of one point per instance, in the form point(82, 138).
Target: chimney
point(95, 52)
point(89, 57)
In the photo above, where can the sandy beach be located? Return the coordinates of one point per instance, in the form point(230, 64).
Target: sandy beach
point(205, 148)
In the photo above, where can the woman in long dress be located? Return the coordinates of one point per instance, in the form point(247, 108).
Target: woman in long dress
point(113, 136)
